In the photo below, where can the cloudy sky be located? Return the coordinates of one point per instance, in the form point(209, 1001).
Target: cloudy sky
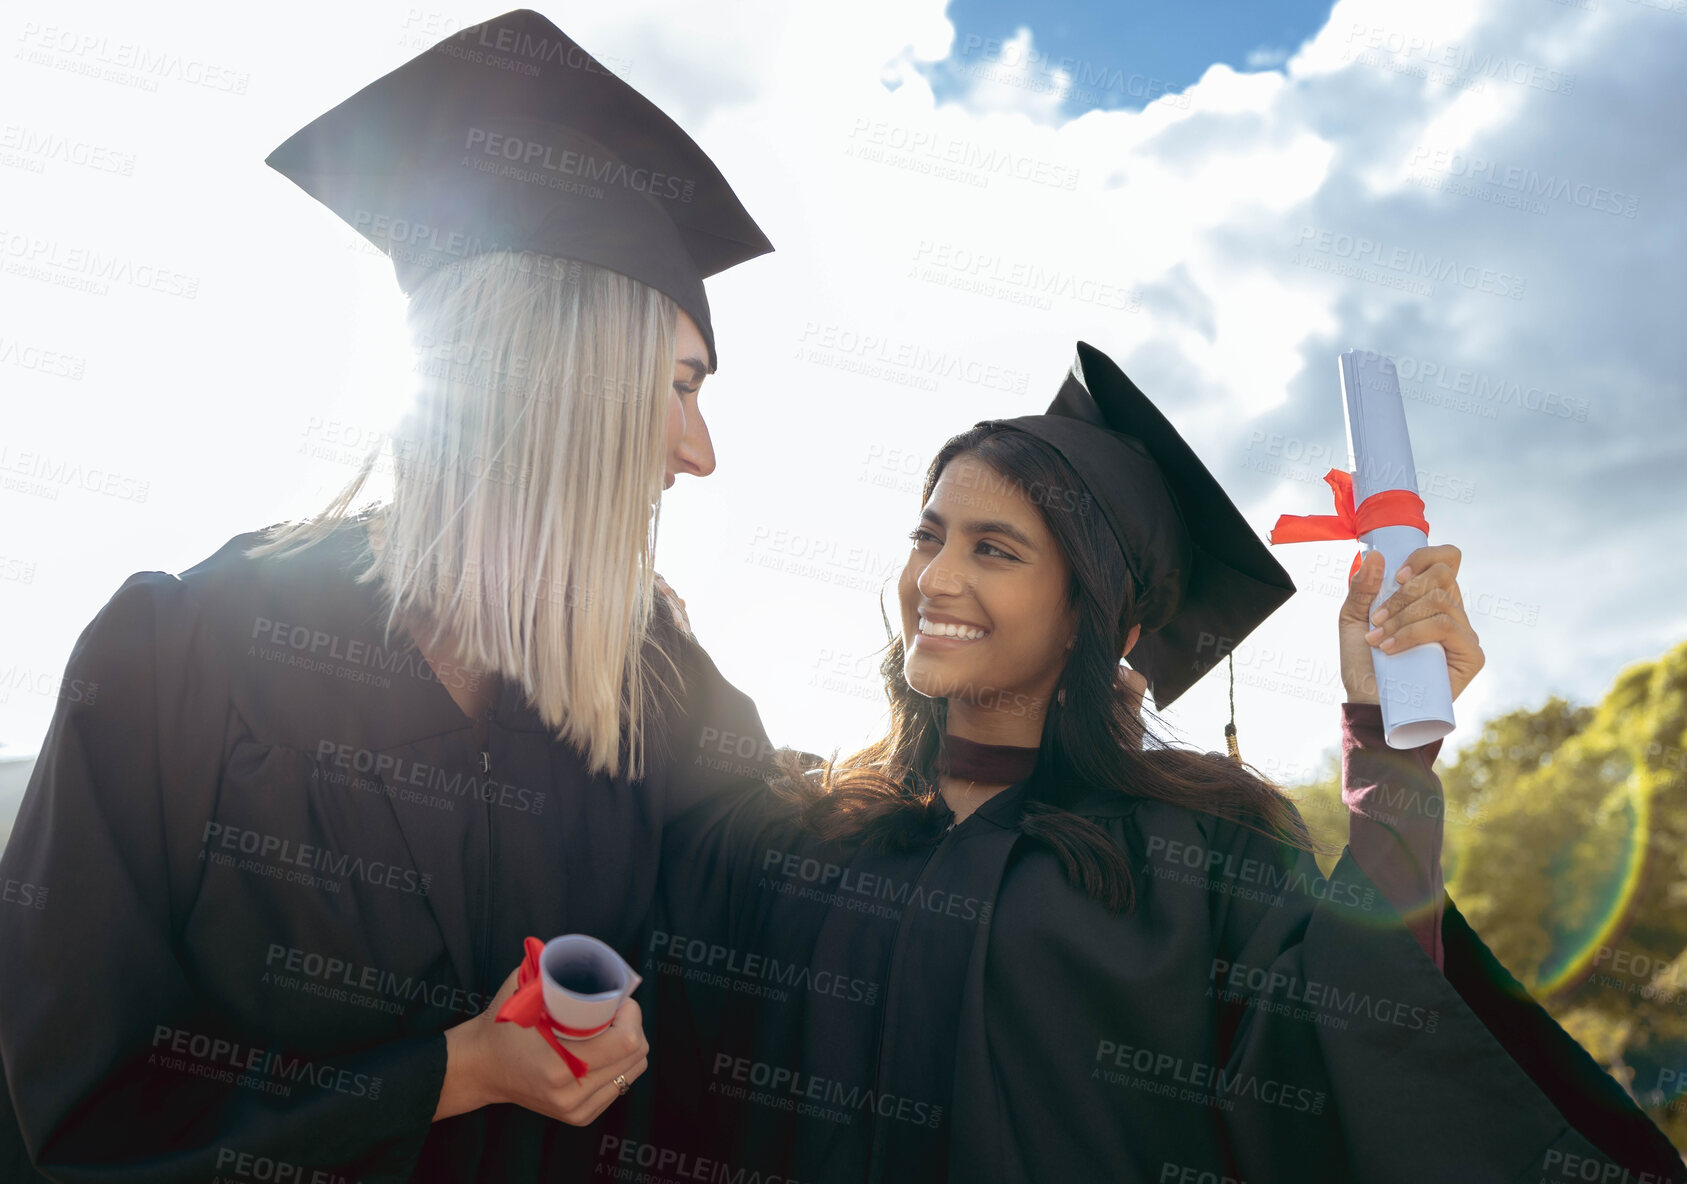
point(1221, 196)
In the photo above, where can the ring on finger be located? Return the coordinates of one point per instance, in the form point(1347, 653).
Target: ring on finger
point(621, 1084)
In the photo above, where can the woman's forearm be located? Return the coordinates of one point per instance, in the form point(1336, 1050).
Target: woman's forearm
point(462, 1090)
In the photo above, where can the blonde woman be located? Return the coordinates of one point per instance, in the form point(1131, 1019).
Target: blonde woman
point(337, 772)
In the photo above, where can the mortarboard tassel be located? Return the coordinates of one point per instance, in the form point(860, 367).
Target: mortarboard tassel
point(1230, 728)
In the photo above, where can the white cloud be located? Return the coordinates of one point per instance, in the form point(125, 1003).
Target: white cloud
point(1197, 240)
point(1266, 57)
point(1015, 78)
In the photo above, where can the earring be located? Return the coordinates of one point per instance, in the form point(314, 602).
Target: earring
point(1060, 697)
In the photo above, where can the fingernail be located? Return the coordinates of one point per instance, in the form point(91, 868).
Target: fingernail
point(1404, 574)
point(1388, 643)
point(1379, 616)
point(1372, 635)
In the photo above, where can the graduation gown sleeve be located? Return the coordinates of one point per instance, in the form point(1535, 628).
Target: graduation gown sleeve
point(1426, 1075)
point(1395, 836)
point(117, 1067)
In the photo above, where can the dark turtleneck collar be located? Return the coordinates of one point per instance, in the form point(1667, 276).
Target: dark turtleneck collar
point(993, 764)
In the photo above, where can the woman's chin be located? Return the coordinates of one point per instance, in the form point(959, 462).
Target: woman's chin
point(933, 678)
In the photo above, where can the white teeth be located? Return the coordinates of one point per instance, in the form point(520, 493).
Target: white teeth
point(939, 629)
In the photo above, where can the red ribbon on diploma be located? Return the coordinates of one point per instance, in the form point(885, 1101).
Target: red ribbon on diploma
point(1389, 507)
point(526, 1008)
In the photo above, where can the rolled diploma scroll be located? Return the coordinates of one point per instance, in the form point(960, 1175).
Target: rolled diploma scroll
point(584, 983)
point(1412, 686)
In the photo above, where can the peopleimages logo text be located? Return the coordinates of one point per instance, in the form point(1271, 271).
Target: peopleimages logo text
point(1408, 261)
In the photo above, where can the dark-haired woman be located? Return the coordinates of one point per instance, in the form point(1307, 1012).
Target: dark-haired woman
point(1019, 939)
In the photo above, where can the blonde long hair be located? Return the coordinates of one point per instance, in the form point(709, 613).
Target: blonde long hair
point(526, 481)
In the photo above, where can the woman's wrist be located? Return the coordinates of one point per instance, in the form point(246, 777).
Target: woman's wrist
point(464, 1089)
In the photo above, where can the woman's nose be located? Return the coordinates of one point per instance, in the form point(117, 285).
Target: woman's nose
point(941, 578)
point(696, 450)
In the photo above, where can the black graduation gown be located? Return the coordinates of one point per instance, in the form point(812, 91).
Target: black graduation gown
point(274, 867)
point(1250, 1020)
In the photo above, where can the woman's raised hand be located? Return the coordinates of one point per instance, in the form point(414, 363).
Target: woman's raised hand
point(489, 1062)
point(1426, 607)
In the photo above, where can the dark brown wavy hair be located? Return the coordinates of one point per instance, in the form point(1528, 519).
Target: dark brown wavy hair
point(886, 794)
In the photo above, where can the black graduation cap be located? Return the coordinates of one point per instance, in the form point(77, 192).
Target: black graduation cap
point(1204, 580)
point(509, 136)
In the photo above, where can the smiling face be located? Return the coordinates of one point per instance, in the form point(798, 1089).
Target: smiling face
point(689, 448)
point(984, 596)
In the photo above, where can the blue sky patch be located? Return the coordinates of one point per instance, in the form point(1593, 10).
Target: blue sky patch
point(1119, 55)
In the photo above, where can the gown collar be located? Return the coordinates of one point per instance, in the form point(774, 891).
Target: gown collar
point(1000, 810)
point(1014, 764)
